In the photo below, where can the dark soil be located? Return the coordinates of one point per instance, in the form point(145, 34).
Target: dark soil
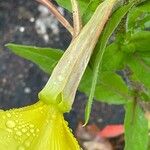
point(20, 80)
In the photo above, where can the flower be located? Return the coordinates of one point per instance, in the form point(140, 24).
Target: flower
point(35, 127)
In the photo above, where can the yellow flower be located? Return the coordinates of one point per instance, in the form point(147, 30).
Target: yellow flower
point(36, 127)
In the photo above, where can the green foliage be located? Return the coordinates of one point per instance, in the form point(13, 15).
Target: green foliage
point(136, 128)
point(90, 8)
point(114, 52)
point(83, 4)
point(87, 7)
point(140, 73)
point(138, 42)
point(110, 88)
point(45, 58)
point(139, 17)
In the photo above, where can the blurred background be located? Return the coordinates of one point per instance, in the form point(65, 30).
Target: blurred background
point(29, 23)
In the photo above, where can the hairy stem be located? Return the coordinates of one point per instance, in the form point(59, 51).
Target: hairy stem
point(77, 23)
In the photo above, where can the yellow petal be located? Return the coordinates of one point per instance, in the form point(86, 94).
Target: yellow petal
point(35, 127)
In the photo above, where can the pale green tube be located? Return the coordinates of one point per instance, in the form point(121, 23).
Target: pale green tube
point(65, 78)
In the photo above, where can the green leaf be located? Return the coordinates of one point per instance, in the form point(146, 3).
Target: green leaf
point(83, 4)
point(136, 128)
point(137, 58)
point(66, 4)
point(110, 87)
point(100, 49)
point(91, 7)
point(87, 7)
point(145, 56)
point(45, 58)
point(145, 6)
point(113, 58)
point(140, 41)
point(139, 17)
point(140, 70)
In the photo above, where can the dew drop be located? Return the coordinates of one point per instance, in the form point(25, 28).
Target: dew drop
point(37, 130)
point(4, 117)
point(24, 130)
point(28, 134)
point(70, 129)
point(60, 78)
point(9, 130)
point(32, 130)
point(41, 111)
point(10, 124)
point(17, 116)
point(8, 136)
point(47, 121)
point(8, 115)
point(27, 143)
point(55, 83)
point(15, 129)
point(18, 133)
point(31, 126)
point(19, 127)
point(21, 148)
point(23, 126)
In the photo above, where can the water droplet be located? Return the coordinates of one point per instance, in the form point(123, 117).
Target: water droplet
point(10, 124)
point(15, 129)
point(4, 117)
point(37, 130)
point(31, 126)
point(21, 148)
point(27, 143)
point(18, 133)
point(23, 126)
point(9, 130)
point(70, 129)
point(47, 121)
point(32, 130)
point(8, 115)
point(55, 83)
point(28, 134)
point(24, 130)
point(41, 111)
point(16, 116)
point(60, 78)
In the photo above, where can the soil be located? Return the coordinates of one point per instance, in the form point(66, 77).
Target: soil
point(21, 80)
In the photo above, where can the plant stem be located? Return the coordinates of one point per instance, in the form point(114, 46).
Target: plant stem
point(77, 22)
point(58, 15)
